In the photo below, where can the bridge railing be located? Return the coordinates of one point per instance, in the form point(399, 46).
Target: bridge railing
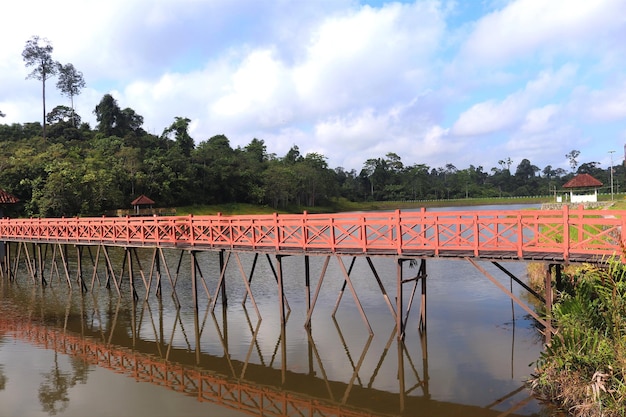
point(515, 233)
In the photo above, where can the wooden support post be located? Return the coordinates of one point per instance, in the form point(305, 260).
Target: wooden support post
point(247, 284)
point(307, 281)
point(343, 287)
point(169, 277)
point(307, 322)
point(222, 266)
point(400, 344)
point(346, 276)
point(558, 278)
point(399, 325)
point(6, 260)
point(422, 322)
point(383, 291)
point(131, 275)
point(194, 292)
point(111, 272)
point(252, 269)
point(269, 260)
point(30, 263)
point(79, 267)
point(3, 259)
point(40, 266)
point(62, 253)
point(157, 267)
point(425, 377)
point(548, 287)
point(281, 301)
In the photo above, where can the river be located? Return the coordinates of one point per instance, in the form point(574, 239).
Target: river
point(69, 353)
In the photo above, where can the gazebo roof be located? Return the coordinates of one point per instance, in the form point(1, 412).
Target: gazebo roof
point(6, 198)
point(142, 200)
point(582, 181)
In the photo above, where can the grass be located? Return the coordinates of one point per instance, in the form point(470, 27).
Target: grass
point(343, 205)
point(583, 369)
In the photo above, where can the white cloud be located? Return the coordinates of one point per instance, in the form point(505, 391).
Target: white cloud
point(341, 78)
point(527, 28)
point(540, 119)
point(361, 59)
point(608, 104)
point(492, 116)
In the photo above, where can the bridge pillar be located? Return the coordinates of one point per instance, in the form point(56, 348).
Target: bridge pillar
point(223, 289)
point(548, 289)
point(420, 276)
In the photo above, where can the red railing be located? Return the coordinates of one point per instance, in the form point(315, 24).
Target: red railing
point(521, 234)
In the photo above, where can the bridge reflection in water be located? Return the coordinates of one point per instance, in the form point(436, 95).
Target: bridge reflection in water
point(153, 343)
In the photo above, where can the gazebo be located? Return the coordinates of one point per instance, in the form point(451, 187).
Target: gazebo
point(142, 202)
point(6, 199)
point(583, 188)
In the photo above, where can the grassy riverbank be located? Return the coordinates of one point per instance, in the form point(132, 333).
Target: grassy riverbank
point(343, 205)
point(583, 369)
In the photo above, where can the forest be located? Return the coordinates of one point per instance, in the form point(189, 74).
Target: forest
point(62, 166)
point(79, 170)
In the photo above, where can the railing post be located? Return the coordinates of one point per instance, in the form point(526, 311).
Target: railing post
point(305, 229)
point(127, 228)
point(398, 227)
point(520, 235)
point(566, 234)
point(436, 233)
point(217, 224)
point(192, 236)
point(276, 233)
point(476, 236)
point(333, 241)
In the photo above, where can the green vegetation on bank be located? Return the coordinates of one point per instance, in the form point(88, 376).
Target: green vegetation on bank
point(77, 170)
point(343, 205)
point(583, 369)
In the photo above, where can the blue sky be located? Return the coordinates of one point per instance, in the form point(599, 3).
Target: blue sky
point(436, 82)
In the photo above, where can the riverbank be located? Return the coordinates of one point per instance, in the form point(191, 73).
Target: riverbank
point(343, 205)
point(583, 369)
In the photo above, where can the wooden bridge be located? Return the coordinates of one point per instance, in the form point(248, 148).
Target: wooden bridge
point(551, 236)
point(557, 235)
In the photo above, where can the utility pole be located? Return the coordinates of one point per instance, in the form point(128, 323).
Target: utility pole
point(611, 153)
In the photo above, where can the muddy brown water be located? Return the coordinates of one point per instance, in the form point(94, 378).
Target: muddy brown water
point(69, 353)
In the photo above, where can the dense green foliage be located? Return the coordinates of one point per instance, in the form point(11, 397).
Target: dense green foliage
point(80, 170)
point(584, 367)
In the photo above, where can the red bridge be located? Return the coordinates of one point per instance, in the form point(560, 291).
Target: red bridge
point(554, 237)
point(567, 235)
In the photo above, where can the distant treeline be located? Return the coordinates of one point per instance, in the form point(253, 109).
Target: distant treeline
point(79, 170)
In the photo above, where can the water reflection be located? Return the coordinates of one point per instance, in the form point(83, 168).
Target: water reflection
point(249, 367)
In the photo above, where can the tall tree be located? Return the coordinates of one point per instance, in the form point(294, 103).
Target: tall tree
point(180, 129)
point(572, 155)
point(70, 83)
point(40, 57)
point(107, 114)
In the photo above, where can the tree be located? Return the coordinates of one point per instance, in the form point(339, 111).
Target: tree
point(180, 129)
point(40, 57)
point(506, 163)
point(591, 168)
point(572, 155)
point(70, 83)
point(112, 121)
point(63, 114)
point(525, 170)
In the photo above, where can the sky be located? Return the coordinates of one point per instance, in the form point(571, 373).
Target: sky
point(435, 82)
